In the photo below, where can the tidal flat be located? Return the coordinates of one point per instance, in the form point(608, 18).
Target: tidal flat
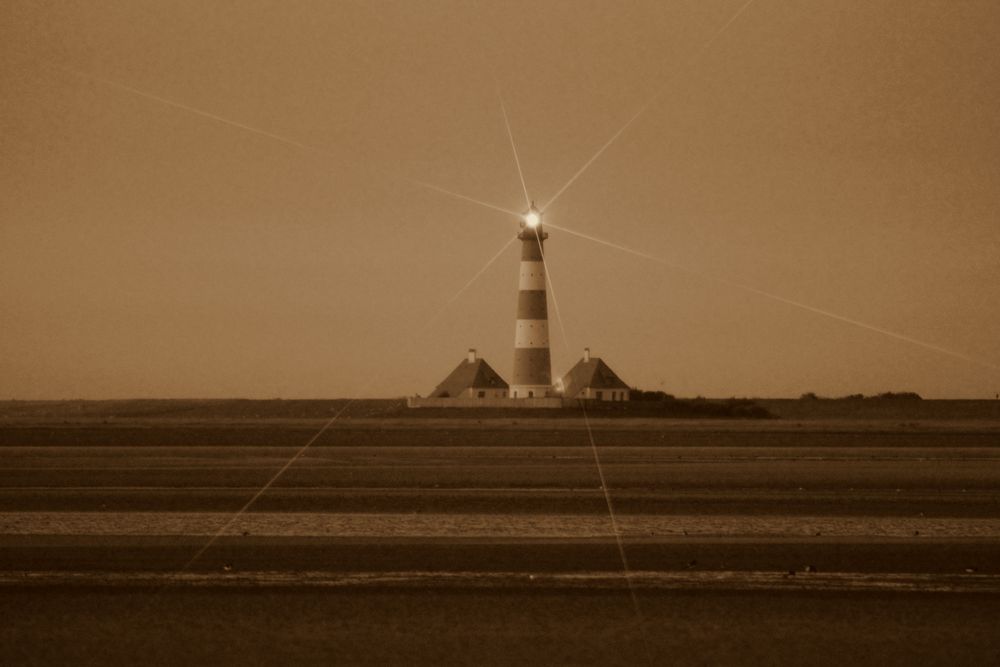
point(463, 540)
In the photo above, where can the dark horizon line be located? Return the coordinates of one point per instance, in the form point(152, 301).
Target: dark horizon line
point(893, 396)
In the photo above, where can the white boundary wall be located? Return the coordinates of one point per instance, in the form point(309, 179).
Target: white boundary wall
point(414, 402)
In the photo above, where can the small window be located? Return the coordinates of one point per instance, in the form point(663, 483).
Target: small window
point(531, 394)
point(482, 394)
point(600, 395)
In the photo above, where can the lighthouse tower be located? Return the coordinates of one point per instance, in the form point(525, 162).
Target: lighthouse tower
point(532, 362)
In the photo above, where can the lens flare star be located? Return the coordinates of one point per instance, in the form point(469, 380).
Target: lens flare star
point(533, 218)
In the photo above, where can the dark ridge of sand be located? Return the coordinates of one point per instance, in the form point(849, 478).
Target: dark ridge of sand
point(750, 502)
point(818, 476)
point(810, 476)
point(331, 554)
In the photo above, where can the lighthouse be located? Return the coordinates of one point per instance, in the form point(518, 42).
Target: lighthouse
point(532, 362)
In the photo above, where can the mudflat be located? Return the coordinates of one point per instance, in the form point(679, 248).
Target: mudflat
point(491, 541)
point(493, 626)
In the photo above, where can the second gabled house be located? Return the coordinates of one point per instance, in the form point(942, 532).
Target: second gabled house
point(593, 379)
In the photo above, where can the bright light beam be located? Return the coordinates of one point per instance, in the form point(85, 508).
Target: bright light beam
point(718, 33)
point(786, 301)
point(513, 148)
point(190, 109)
point(701, 51)
point(302, 450)
point(616, 246)
point(256, 496)
point(305, 147)
point(264, 133)
point(600, 150)
point(615, 528)
point(462, 197)
point(467, 285)
point(555, 302)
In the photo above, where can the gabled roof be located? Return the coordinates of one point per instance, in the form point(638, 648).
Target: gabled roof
point(593, 373)
point(469, 374)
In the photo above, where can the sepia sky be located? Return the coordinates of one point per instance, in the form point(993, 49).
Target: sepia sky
point(220, 199)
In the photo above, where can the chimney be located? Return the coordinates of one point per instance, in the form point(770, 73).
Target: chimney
point(586, 354)
point(472, 355)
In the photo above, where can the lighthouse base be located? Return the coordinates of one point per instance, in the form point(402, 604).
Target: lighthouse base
point(551, 402)
point(531, 391)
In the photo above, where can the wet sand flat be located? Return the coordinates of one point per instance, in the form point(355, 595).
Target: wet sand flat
point(495, 627)
point(491, 542)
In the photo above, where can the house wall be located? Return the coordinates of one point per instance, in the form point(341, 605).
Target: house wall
point(531, 391)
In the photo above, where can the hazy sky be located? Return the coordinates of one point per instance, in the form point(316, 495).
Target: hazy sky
point(844, 155)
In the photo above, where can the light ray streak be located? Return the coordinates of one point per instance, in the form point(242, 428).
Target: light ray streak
point(615, 245)
point(302, 450)
point(615, 528)
point(467, 285)
point(256, 496)
point(598, 154)
point(649, 102)
point(718, 33)
point(555, 302)
point(513, 148)
point(269, 135)
point(193, 110)
point(478, 11)
point(457, 195)
point(790, 302)
point(626, 570)
point(305, 147)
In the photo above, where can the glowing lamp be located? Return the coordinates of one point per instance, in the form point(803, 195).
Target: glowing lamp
point(532, 218)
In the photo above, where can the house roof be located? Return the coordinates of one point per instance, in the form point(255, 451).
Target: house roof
point(469, 374)
point(594, 374)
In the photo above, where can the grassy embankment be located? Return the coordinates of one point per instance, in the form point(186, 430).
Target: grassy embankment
point(110, 411)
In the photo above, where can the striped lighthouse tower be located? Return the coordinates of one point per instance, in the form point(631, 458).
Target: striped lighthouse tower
point(532, 363)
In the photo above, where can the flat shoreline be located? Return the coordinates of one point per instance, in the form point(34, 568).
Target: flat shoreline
point(488, 541)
